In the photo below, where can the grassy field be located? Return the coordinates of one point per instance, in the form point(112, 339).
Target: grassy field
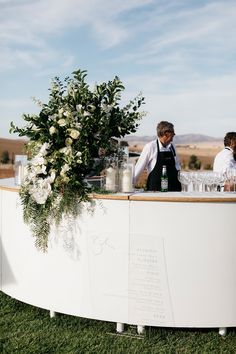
point(25, 329)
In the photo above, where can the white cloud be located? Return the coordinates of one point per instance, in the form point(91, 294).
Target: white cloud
point(182, 52)
point(205, 106)
point(167, 27)
point(186, 34)
point(28, 24)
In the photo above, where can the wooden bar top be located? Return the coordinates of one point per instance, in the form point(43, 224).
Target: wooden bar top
point(181, 197)
point(185, 197)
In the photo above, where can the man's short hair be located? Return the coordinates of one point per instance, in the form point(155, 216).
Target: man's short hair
point(164, 127)
point(229, 137)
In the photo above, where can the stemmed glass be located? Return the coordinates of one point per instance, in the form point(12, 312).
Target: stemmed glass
point(198, 179)
point(220, 179)
point(231, 178)
point(234, 178)
point(209, 181)
point(185, 179)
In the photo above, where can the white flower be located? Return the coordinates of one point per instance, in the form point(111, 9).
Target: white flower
point(79, 107)
point(78, 125)
point(61, 122)
point(52, 130)
point(86, 114)
point(65, 168)
point(51, 178)
point(79, 154)
point(38, 169)
point(38, 160)
point(44, 148)
point(74, 134)
point(66, 150)
point(68, 114)
point(41, 190)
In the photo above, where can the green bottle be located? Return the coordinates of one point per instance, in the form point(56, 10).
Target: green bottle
point(164, 180)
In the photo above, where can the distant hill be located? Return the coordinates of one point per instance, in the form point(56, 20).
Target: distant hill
point(195, 138)
point(13, 146)
point(179, 139)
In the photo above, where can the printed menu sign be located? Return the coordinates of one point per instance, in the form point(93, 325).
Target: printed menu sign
point(149, 298)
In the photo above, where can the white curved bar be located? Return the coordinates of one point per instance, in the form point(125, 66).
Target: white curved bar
point(148, 259)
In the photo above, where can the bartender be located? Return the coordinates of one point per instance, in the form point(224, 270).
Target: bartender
point(225, 160)
point(155, 155)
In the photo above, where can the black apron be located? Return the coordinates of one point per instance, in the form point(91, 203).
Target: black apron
point(166, 158)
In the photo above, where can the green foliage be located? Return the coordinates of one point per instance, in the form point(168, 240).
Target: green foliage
point(25, 329)
point(194, 163)
point(65, 140)
point(5, 157)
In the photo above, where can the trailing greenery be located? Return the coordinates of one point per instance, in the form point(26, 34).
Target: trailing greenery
point(25, 329)
point(68, 141)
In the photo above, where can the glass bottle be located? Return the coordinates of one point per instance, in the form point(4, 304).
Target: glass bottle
point(126, 178)
point(111, 180)
point(20, 166)
point(164, 180)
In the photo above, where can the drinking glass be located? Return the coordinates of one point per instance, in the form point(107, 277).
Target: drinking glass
point(231, 178)
point(197, 180)
point(234, 178)
point(220, 179)
point(185, 179)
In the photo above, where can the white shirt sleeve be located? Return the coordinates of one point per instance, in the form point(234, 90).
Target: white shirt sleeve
point(142, 162)
point(224, 160)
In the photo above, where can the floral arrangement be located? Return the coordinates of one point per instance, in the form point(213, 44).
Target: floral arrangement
point(65, 141)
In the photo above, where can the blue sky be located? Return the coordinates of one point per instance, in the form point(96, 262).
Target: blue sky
point(181, 54)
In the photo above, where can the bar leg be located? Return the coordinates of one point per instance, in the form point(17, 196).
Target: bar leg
point(140, 329)
point(222, 331)
point(52, 314)
point(119, 327)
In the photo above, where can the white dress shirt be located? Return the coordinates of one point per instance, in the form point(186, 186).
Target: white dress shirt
point(224, 160)
point(148, 158)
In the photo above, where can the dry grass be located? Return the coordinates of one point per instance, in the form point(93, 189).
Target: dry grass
point(6, 171)
point(14, 147)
